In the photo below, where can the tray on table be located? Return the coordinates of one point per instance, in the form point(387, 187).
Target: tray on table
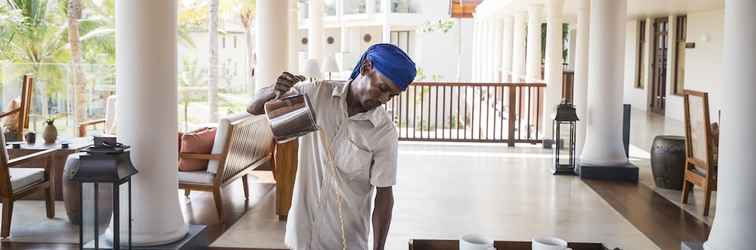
point(430, 244)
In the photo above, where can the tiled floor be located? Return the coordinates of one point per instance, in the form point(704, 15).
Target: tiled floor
point(445, 191)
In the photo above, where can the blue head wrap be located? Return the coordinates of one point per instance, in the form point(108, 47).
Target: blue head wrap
point(391, 61)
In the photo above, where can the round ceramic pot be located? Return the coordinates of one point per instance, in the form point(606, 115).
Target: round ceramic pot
point(50, 134)
point(72, 194)
point(667, 161)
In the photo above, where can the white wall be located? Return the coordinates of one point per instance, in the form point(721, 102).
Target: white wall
point(637, 97)
point(703, 64)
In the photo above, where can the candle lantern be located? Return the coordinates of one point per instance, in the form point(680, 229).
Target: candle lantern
point(105, 172)
point(565, 120)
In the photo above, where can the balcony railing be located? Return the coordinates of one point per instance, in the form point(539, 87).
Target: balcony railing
point(469, 112)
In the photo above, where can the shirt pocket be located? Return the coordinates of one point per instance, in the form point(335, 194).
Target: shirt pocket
point(353, 161)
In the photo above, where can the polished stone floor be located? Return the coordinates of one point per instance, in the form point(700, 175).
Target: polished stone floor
point(645, 126)
point(445, 191)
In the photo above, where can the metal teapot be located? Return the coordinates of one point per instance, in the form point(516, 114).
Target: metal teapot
point(290, 117)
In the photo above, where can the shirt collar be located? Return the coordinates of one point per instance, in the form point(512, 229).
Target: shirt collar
point(374, 117)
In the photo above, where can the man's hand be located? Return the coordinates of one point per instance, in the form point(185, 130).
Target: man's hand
point(384, 206)
point(282, 86)
point(285, 81)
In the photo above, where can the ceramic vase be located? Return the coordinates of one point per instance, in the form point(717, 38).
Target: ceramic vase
point(51, 133)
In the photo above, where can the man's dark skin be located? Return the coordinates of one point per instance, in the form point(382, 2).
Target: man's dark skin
point(369, 90)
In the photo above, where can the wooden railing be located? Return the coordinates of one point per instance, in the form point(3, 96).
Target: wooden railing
point(469, 112)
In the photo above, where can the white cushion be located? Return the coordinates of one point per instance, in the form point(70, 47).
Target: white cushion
point(220, 138)
point(110, 116)
point(195, 177)
point(22, 177)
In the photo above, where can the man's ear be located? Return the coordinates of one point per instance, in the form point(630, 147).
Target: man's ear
point(367, 67)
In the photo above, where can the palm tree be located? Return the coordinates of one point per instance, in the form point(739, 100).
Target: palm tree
point(36, 39)
point(212, 83)
point(78, 80)
point(247, 16)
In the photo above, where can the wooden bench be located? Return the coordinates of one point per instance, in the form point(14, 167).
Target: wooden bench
point(248, 145)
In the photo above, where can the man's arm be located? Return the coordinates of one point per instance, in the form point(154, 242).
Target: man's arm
point(256, 107)
point(283, 84)
point(384, 206)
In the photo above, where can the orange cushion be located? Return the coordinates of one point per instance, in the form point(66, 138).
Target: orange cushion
point(197, 142)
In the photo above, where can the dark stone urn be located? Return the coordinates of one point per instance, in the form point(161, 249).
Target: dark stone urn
point(72, 195)
point(667, 161)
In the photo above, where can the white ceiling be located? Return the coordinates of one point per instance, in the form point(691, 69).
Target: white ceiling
point(635, 8)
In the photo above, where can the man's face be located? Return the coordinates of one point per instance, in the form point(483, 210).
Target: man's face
point(373, 89)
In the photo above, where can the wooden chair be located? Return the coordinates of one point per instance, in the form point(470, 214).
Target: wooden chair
point(700, 164)
point(246, 143)
point(22, 112)
point(16, 182)
point(108, 122)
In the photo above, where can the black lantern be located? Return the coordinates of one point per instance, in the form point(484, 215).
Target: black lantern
point(103, 169)
point(565, 120)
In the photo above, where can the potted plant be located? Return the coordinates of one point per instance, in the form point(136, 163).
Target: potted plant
point(50, 134)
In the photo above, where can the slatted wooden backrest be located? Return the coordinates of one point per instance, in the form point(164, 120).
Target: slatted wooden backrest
point(698, 142)
point(250, 143)
point(26, 100)
point(5, 184)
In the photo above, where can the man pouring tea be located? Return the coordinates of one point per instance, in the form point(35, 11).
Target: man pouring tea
point(353, 156)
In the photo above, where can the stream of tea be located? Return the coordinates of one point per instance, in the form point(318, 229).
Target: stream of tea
point(335, 179)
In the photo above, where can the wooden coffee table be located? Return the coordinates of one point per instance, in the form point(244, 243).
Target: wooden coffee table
point(431, 244)
point(58, 162)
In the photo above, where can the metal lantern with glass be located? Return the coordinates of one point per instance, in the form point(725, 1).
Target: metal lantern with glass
point(103, 169)
point(565, 120)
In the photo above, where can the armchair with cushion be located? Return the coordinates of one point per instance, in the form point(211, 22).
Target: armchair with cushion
point(109, 122)
point(242, 143)
point(17, 182)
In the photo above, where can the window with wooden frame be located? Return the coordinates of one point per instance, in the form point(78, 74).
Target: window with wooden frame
point(681, 33)
point(641, 63)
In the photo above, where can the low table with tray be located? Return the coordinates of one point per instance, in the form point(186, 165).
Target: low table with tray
point(431, 244)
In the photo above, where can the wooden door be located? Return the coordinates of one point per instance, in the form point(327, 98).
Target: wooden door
point(659, 65)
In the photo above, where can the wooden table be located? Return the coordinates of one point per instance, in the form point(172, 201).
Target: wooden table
point(58, 162)
point(429, 244)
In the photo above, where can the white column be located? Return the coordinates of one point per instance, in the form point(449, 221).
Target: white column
point(506, 49)
point(518, 47)
point(147, 116)
point(533, 56)
point(476, 47)
point(489, 49)
point(293, 29)
point(603, 142)
point(343, 30)
point(553, 63)
point(315, 32)
point(271, 44)
point(370, 7)
point(734, 222)
point(386, 28)
point(484, 50)
point(571, 48)
point(386, 33)
point(497, 48)
point(581, 71)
